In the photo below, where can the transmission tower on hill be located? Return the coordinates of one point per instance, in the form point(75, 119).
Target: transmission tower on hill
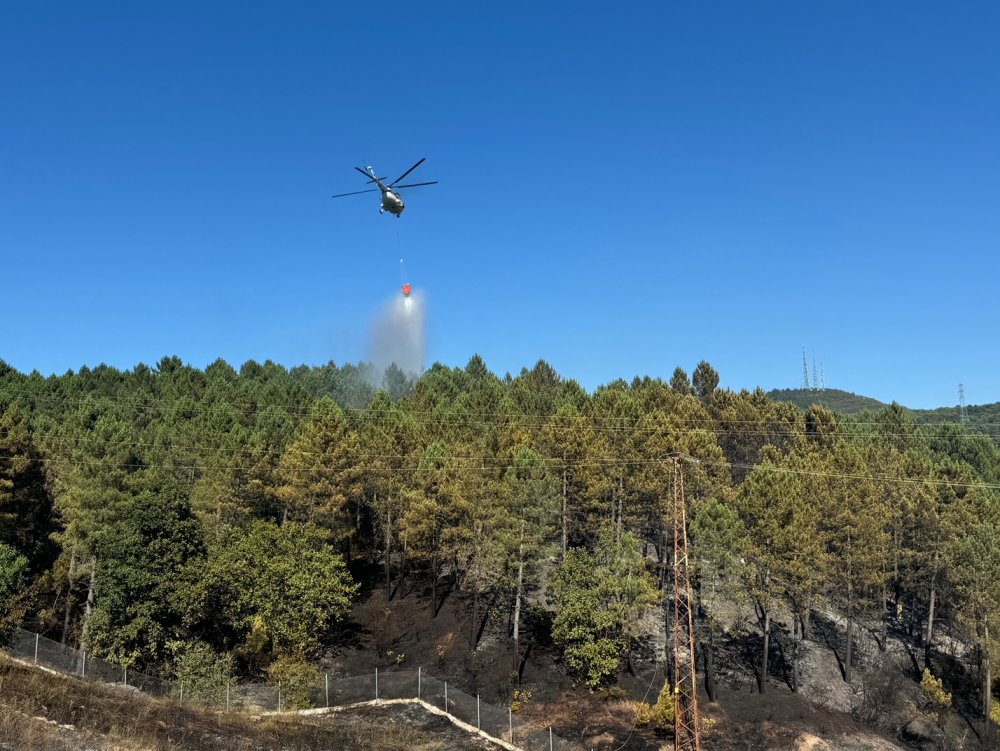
point(963, 415)
point(805, 369)
point(687, 726)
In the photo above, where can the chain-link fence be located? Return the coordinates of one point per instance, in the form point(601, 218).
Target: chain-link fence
point(52, 654)
point(499, 723)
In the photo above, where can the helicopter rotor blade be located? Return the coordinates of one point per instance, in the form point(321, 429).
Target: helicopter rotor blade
point(408, 172)
point(366, 174)
point(417, 185)
point(354, 193)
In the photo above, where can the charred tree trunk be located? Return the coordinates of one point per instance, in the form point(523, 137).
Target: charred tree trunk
point(434, 585)
point(850, 642)
point(517, 599)
point(795, 654)
point(403, 563)
point(710, 663)
point(388, 547)
point(885, 619)
point(850, 616)
point(91, 594)
point(662, 553)
point(91, 598)
point(565, 520)
point(930, 615)
point(987, 681)
point(762, 679)
point(475, 615)
point(69, 596)
point(896, 587)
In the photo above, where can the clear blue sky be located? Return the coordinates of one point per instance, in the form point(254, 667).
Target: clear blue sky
point(625, 187)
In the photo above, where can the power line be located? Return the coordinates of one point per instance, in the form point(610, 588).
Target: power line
point(487, 464)
point(846, 425)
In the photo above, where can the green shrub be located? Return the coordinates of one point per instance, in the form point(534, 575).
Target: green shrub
point(298, 681)
point(663, 712)
point(520, 699)
point(204, 674)
point(933, 691)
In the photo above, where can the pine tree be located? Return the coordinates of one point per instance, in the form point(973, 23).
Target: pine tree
point(319, 471)
point(570, 443)
point(25, 505)
point(781, 543)
point(389, 440)
point(853, 517)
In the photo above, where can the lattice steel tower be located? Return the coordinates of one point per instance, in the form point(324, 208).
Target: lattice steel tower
point(805, 369)
point(963, 415)
point(687, 726)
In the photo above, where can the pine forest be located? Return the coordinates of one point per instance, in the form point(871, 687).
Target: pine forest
point(256, 523)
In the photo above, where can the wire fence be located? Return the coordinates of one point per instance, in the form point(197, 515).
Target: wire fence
point(499, 723)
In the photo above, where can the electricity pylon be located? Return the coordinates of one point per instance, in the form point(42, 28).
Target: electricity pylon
point(687, 730)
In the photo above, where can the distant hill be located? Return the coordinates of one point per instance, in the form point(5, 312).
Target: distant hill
point(983, 418)
point(843, 402)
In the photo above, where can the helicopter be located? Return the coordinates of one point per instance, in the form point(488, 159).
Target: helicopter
point(392, 201)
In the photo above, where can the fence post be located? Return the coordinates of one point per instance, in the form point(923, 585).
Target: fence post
point(125, 679)
point(376, 684)
point(182, 692)
point(36, 649)
point(550, 738)
point(478, 726)
point(279, 696)
point(510, 724)
point(446, 696)
point(83, 667)
point(326, 688)
point(227, 695)
point(418, 680)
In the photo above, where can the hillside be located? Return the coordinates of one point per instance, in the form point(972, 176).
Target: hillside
point(40, 709)
point(43, 710)
point(508, 535)
point(842, 402)
point(983, 418)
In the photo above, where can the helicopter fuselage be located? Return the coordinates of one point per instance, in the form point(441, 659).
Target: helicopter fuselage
point(392, 199)
point(392, 202)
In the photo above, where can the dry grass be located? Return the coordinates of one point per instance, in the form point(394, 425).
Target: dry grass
point(40, 710)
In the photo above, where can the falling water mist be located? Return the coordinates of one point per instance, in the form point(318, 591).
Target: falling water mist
point(397, 336)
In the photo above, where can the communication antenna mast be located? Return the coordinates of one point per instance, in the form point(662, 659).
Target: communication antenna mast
point(963, 415)
point(687, 730)
point(805, 369)
point(822, 378)
point(815, 379)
